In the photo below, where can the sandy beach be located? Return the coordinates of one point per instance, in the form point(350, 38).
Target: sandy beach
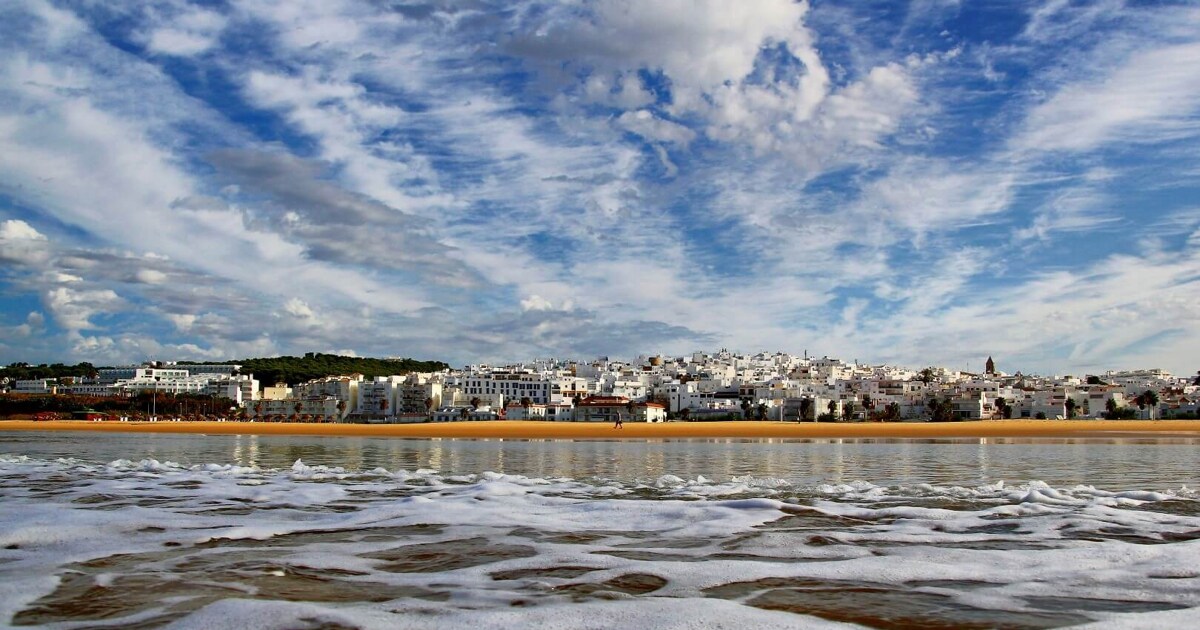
point(670, 430)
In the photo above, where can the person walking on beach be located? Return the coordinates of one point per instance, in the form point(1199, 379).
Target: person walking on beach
point(619, 424)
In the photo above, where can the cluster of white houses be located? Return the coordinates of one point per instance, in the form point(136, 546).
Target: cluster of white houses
point(721, 385)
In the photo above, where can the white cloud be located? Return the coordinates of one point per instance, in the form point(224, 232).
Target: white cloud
point(73, 309)
point(536, 303)
point(20, 243)
point(188, 32)
point(654, 129)
point(183, 321)
point(1149, 97)
point(298, 308)
point(625, 92)
point(17, 230)
point(150, 276)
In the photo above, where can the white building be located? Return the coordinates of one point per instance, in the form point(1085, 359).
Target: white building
point(35, 386)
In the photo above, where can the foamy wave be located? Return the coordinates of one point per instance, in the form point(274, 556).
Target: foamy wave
point(665, 486)
point(426, 547)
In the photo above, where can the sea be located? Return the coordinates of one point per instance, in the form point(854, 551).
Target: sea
point(102, 530)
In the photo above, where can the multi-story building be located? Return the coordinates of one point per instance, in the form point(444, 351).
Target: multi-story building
point(311, 409)
point(342, 388)
point(379, 397)
point(511, 385)
point(35, 386)
point(420, 393)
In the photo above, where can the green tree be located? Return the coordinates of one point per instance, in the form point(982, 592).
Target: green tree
point(806, 407)
point(762, 411)
point(940, 410)
point(1071, 406)
point(926, 376)
point(848, 411)
point(685, 414)
point(1111, 407)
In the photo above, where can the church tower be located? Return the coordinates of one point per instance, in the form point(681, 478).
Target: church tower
point(990, 366)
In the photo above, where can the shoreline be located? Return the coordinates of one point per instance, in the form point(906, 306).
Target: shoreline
point(520, 429)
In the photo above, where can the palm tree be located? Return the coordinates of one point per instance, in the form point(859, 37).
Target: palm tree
point(1110, 406)
point(1001, 407)
point(1147, 399)
point(848, 411)
point(526, 403)
point(926, 376)
point(940, 410)
point(868, 404)
point(1071, 406)
point(893, 412)
point(832, 407)
point(475, 402)
point(805, 407)
point(341, 407)
point(745, 409)
point(762, 411)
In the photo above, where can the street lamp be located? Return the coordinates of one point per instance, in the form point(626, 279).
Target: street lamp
point(154, 402)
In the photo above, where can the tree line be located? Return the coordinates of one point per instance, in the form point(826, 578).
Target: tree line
point(26, 372)
point(293, 370)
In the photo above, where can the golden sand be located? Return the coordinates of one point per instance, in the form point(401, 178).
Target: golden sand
point(671, 430)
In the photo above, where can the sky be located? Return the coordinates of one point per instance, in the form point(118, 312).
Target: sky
point(916, 183)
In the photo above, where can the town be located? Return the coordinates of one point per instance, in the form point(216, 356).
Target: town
point(697, 387)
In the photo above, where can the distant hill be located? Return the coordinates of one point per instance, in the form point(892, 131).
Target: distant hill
point(293, 370)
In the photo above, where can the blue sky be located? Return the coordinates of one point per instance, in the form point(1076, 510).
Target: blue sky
point(918, 183)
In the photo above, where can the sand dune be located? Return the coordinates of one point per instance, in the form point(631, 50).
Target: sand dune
point(671, 430)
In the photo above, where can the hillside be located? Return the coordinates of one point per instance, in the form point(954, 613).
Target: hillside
point(292, 370)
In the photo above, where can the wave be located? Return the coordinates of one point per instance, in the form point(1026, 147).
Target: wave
point(197, 545)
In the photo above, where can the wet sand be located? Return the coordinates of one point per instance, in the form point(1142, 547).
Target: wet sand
point(671, 430)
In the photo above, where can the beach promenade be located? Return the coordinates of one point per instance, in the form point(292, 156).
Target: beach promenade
point(670, 430)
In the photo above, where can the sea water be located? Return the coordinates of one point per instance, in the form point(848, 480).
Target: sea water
point(195, 531)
